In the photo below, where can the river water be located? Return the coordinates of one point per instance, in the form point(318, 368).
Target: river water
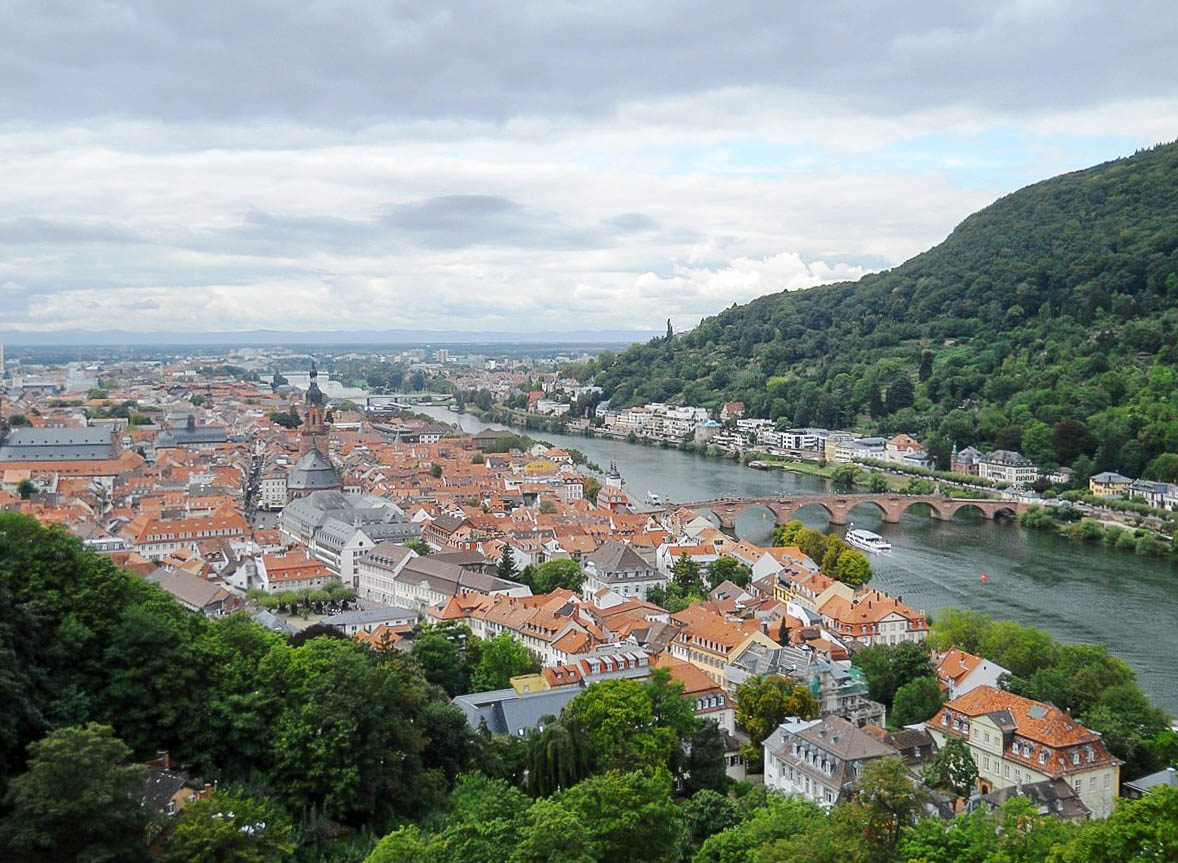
point(1074, 591)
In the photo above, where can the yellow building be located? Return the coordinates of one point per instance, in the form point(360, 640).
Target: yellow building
point(1108, 484)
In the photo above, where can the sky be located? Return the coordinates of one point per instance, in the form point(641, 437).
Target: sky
point(561, 165)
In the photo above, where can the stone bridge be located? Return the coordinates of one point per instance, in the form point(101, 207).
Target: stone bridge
point(891, 506)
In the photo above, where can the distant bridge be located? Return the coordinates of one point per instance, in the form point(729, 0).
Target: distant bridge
point(838, 506)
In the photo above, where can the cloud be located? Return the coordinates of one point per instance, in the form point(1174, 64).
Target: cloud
point(504, 166)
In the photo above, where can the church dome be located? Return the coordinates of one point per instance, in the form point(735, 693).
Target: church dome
point(313, 472)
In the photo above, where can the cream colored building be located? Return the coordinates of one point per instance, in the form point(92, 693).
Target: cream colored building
point(1016, 741)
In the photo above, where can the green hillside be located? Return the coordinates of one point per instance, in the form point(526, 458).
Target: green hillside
point(1047, 321)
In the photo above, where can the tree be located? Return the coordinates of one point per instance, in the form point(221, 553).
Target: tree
point(925, 369)
point(728, 569)
point(1137, 830)
point(852, 568)
point(704, 768)
point(1129, 724)
point(79, 800)
point(780, 818)
point(685, 576)
point(887, 667)
point(627, 817)
point(878, 483)
point(407, 845)
point(953, 769)
point(436, 471)
point(901, 394)
point(762, 703)
point(551, 833)
point(706, 813)
point(556, 758)
point(18, 421)
point(592, 487)
point(440, 656)
point(616, 721)
point(419, 546)
point(917, 700)
point(955, 627)
point(484, 819)
point(560, 573)
point(1036, 443)
point(843, 477)
point(506, 567)
point(26, 488)
point(1164, 468)
point(501, 658)
point(891, 800)
point(231, 827)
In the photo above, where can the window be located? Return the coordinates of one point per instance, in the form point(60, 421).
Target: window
point(1108, 780)
point(1077, 785)
point(1091, 783)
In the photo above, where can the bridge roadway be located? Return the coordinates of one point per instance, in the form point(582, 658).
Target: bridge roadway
point(838, 506)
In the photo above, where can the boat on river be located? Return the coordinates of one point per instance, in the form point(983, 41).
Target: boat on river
point(865, 540)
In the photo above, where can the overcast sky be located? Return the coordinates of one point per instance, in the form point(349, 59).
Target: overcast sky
point(556, 165)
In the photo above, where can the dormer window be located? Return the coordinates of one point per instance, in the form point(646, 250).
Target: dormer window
point(1075, 757)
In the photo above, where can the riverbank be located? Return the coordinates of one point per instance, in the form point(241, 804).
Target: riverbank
point(1139, 540)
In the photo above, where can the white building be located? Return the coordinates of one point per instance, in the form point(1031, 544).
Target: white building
point(819, 759)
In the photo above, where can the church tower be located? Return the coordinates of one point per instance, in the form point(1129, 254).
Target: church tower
point(313, 428)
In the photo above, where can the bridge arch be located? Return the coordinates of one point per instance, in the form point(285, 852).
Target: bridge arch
point(789, 510)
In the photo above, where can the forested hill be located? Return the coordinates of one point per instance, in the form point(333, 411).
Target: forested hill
point(1047, 321)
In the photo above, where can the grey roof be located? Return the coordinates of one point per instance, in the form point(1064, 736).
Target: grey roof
point(1051, 796)
point(844, 740)
point(614, 556)
point(1008, 458)
point(1169, 777)
point(58, 444)
point(272, 622)
point(507, 712)
point(176, 437)
point(371, 615)
point(388, 554)
point(313, 470)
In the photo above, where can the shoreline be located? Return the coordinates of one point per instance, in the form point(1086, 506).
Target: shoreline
point(759, 460)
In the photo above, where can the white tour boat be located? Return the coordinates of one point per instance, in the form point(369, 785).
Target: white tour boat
point(653, 499)
point(867, 541)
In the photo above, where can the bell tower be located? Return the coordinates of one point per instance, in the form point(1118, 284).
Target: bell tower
point(313, 429)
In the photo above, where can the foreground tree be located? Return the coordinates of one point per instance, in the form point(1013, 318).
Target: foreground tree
point(231, 827)
point(79, 800)
point(627, 817)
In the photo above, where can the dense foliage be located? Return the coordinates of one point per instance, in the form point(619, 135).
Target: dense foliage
point(1047, 321)
point(327, 728)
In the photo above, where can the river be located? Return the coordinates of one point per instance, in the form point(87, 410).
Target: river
point(1076, 592)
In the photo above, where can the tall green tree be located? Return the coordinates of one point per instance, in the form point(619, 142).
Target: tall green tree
point(887, 667)
point(506, 567)
point(501, 658)
point(79, 800)
point(704, 768)
point(917, 700)
point(627, 817)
